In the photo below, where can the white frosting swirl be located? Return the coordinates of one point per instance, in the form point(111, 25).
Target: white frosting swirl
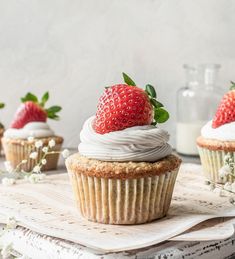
point(225, 132)
point(140, 143)
point(31, 129)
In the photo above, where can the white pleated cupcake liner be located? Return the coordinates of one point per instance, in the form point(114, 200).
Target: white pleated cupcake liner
point(212, 161)
point(16, 152)
point(130, 201)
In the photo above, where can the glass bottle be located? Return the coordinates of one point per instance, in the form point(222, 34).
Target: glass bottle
point(196, 104)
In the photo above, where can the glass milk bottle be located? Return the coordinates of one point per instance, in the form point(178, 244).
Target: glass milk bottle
point(196, 104)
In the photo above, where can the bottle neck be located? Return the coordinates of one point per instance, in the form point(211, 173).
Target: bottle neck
point(202, 75)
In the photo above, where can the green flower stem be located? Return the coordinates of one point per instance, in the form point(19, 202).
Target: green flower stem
point(221, 187)
point(16, 170)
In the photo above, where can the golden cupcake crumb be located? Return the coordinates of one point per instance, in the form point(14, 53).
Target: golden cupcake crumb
point(215, 145)
point(121, 170)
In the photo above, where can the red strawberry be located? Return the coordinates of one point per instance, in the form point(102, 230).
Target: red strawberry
point(28, 112)
point(122, 106)
point(125, 105)
point(226, 110)
point(32, 110)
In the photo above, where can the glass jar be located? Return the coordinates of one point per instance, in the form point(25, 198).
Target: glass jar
point(196, 104)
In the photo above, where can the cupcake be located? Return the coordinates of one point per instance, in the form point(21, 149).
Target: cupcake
point(216, 144)
point(29, 134)
point(124, 172)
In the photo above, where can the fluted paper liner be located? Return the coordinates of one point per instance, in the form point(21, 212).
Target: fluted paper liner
point(212, 161)
point(16, 152)
point(130, 201)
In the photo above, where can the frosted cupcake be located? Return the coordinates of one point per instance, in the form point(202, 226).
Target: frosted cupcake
point(216, 144)
point(30, 133)
point(124, 172)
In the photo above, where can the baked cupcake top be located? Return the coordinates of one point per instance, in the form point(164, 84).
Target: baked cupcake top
point(30, 119)
point(125, 126)
point(222, 127)
point(123, 170)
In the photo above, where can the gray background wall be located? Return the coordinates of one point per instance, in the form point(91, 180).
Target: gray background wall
point(74, 48)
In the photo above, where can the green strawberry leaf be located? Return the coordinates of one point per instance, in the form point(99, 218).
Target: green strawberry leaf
point(232, 86)
point(44, 99)
point(156, 103)
point(150, 91)
point(54, 109)
point(2, 105)
point(161, 115)
point(51, 112)
point(52, 116)
point(29, 97)
point(128, 80)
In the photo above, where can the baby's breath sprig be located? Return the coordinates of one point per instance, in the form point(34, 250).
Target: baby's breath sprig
point(227, 170)
point(35, 175)
point(6, 249)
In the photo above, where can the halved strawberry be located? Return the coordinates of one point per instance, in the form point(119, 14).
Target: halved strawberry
point(32, 110)
point(226, 110)
point(125, 105)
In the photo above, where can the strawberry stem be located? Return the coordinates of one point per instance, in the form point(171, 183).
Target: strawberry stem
point(232, 87)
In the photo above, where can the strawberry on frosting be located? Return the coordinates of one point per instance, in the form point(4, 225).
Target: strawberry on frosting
point(226, 110)
point(33, 110)
point(125, 105)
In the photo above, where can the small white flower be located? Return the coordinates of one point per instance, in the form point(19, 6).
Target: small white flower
point(65, 153)
point(44, 161)
point(230, 160)
point(228, 186)
point(51, 143)
point(37, 169)
point(45, 149)
point(11, 223)
point(8, 181)
point(38, 144)
point(8, 166)
point(6, 251)
point(33, 155)
point(224, 171)
point(233, 187)
point(41, 177)
point(26, 177)
point(35, 178)
point(30, 139)
point(32, 178)
point(24, 161)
